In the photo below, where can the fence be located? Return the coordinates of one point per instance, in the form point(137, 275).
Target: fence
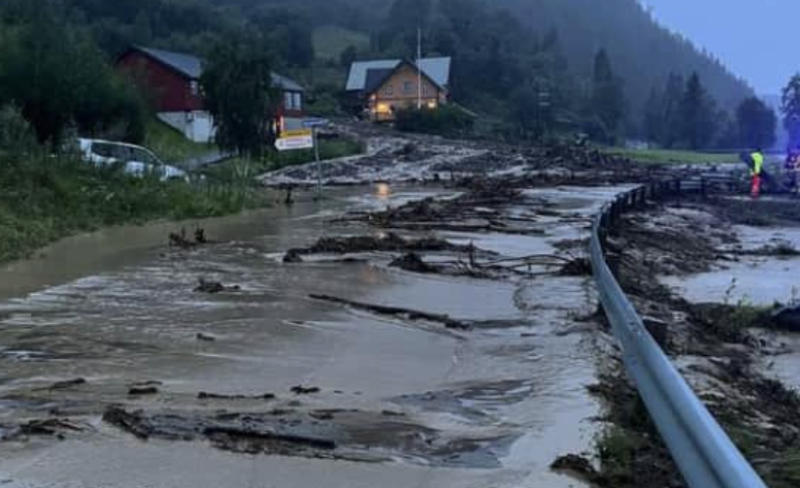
point(704, 453)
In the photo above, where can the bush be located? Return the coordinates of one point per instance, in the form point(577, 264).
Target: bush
point(446, 120)
point(16, 134)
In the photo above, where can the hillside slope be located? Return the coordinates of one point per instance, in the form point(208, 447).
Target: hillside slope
point(644, 52)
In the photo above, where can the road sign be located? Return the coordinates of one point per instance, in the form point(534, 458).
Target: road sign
point(294, 143)
point(315, 122)
point(296, 133)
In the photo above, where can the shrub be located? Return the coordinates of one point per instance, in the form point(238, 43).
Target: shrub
point(446, 120)
point(16, 134)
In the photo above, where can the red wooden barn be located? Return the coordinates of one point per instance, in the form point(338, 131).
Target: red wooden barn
point(173, 82)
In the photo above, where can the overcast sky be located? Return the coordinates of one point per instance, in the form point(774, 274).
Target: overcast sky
point(758, 40)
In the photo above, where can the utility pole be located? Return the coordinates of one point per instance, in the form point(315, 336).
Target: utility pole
point(315, 138)
point(419, 68)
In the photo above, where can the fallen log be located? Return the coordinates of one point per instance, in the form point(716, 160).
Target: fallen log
point(234, 433)
point(410, 314)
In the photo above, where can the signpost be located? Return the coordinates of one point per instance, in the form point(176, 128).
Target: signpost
point(305, 138)
point(313, 124)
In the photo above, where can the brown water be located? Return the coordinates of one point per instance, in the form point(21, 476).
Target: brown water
point(118, 306)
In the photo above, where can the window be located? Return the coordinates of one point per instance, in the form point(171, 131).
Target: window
point(424, 89)
point(388, 90)
point(195, 88)
point(408, 88)
point(287, 100)
point(298, 101)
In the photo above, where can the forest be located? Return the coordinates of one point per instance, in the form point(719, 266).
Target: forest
point(531, 68)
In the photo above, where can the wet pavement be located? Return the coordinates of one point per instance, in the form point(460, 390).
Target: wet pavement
point(117, 308)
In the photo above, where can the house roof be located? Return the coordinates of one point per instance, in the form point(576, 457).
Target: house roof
point(192, 66)
point(285, 83)
point(376, 77)
point(437, 69)
point(186, 64)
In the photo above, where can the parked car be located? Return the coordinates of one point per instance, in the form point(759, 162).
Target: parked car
point(136, 160)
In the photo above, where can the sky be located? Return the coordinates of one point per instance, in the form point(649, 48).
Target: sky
point(759, 40)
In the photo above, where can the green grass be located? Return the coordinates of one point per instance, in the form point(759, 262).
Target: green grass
point(236, 169)
point(43, 199)
point(170, 145)
point(331, 41)
point(667, 156)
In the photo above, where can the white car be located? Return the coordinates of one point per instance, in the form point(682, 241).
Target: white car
point(137, 160)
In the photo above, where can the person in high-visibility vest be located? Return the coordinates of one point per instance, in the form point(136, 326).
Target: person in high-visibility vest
point(758, 166)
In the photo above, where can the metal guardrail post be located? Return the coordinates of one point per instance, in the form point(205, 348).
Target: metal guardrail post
point(704, 453)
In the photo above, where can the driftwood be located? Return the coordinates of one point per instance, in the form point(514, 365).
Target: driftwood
point(234, 433)
point(203, 395)
point(446, 320)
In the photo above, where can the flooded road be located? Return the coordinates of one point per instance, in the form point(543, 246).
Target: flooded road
point(752, 280)
point(117, 308)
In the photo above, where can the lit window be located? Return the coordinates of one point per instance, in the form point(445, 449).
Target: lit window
point(408, 87)
point(389, 90)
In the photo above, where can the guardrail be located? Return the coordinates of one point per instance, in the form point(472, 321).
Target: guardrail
point(704, 453)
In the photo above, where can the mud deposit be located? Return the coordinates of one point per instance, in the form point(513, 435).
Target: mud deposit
point(720, 347)
point(408, 158)
point(387, 336)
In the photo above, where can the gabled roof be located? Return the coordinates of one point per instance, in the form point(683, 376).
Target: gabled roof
point(191, 66)
point(376, 77)
point(285, 83)
point(437, 69)
point(185, 64)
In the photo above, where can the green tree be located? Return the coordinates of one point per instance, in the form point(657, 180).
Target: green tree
point(756, 123)
point(698, 112)
point(671, 131)
point(347, 56)
point(57, 76)
point(790, 107)
point(607, 100)
point(16, 134)
point(729, 135)
point(653, 122)
point(237, 83)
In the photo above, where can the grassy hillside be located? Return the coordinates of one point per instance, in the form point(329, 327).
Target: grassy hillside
point(330, 41)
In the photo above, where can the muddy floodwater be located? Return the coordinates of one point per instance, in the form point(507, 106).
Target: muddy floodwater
point(754, 280)
point(492, 406)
